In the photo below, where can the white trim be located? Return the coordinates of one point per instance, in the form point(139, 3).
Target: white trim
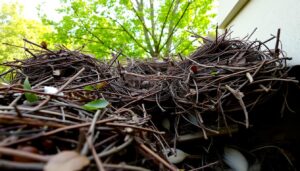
point(232, 13)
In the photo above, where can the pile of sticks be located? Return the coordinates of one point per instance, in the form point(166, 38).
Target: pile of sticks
point(153, 104)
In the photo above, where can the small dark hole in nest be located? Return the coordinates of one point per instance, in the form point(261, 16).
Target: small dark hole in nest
point(69, 72)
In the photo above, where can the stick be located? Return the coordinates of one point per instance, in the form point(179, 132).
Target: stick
point(157, 157)
point(10, 165)
point(25, 40)
point(277, 44)
point(19, 153)
point(56, 131)
point(134, 127)
point(239, 96)
point(59, 90)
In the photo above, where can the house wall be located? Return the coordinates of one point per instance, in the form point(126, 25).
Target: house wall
point(267, 16)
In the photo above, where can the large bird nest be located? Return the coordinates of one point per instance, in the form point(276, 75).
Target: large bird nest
point(153, 105)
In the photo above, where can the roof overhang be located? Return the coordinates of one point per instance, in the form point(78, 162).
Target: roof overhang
point(231, 10)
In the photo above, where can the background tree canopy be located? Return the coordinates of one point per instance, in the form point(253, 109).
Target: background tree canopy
point(14, 27)
point(137, 28)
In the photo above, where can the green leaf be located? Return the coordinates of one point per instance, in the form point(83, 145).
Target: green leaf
point(89, 88)
point(96, 104)
point(214, 73)
point(26, 84)
point(30, 97)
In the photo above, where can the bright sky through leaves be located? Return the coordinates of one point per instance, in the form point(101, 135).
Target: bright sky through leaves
point(138, 29)
point(30, 8)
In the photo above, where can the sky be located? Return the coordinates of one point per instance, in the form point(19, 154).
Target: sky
point(48, 7)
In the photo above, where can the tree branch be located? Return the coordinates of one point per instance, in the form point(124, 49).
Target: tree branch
point(152, 19)
point(131, 36)
point(91, 33)
point(173, 30)
point(145, 28)
point(171, 25)
point(142, 19)
point(164, 23)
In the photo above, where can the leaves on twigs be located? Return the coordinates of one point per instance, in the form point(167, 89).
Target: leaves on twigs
point(101, 85)
point(96, 104)
point(30, 97)
point(89, 88)
point(98, 86)
point(67, 161)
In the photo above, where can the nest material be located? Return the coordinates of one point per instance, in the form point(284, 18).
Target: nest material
point(200, 94)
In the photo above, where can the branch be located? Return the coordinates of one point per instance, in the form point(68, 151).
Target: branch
point(165, 22)
point(239, 96)
point(131, 36)
point(170, 28)
point(95, 36)
point(185, 48)
point(142, 19)
point(108, 28)
point(187, 6)
point(23, 154)
point(145, 28)
point(152, 19)
point(11, 165)
point(25, 40)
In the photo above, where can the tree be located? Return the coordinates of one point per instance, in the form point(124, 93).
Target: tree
point(13, 28)
point(138, 28)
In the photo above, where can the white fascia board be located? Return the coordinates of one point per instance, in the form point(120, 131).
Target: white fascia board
point(227, 12)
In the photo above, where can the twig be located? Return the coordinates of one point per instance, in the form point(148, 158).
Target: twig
point(63, 113)
point(156, 157)
point(29, 121)
point(197, 91)
point(77, 126)
point(199, 135)
point(205, 166)
point(56, 131)
point(124, 166)
point(27, 50)
point(134, 127)
point(157, 102)
point(276, 148)
point(25, 40)
point(91, 83)
point(19, 114)
point(239, 96)
point(91, 131)
point(58, 91)
point(19, 153)
point(277, 44)
point(96, 158)
point(115, 149)
point(251, 34)
point(4, 164)
point(275, 79)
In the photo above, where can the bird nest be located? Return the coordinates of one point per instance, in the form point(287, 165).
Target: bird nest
point(153, 105)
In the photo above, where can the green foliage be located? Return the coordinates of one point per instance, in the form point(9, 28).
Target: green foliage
point(89, 88)
point(30, 97)
point(138, 28)
point(96, 104)
point(13, 28)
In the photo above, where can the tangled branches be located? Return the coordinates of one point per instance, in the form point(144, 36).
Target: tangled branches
point(203, 95)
